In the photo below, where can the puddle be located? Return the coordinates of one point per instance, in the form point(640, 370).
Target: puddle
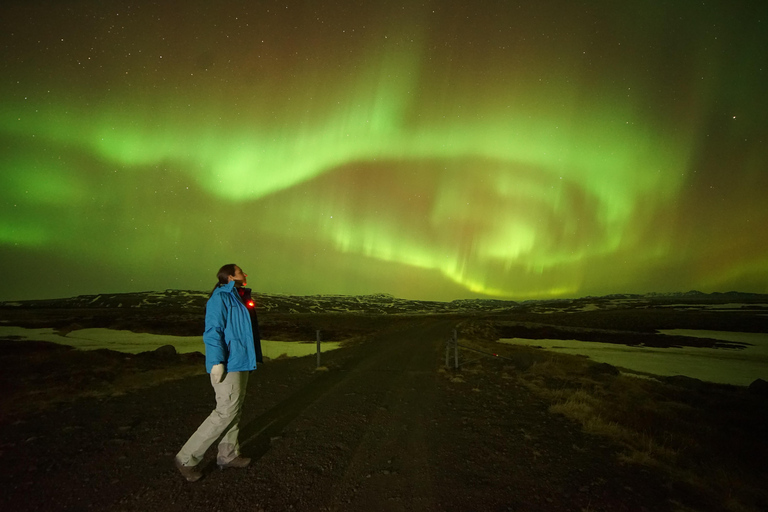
point(725, 366)
point(133, 342)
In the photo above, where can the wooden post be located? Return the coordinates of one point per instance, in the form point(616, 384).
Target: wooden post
point(455, 350)
point(318, 349)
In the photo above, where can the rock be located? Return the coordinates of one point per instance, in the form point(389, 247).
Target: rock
point(684, 382)
point(166, 351)
point(758, 387)
point(602, 369)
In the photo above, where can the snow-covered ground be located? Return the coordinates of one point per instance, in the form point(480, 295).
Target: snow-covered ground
point(132, 342)
point(582, 305)
point(725, 366)
point(717, 307)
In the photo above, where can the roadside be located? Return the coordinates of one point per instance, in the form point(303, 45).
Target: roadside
point(384, 428)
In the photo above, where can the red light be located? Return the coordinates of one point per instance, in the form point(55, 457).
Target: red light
point(251, 304)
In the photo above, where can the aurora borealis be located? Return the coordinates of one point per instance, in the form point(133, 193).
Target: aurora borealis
point(431, 150)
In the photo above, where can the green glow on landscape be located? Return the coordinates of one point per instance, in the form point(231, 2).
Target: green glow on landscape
point(508, 155)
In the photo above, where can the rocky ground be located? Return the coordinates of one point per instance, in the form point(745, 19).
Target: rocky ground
point(383, 427)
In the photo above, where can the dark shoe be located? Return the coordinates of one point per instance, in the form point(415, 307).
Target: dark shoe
point(237, 462)
point(191, 473)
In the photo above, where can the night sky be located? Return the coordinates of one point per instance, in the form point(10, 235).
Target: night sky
point(431, 150)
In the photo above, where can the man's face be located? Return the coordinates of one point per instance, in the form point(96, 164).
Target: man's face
point(240, 277)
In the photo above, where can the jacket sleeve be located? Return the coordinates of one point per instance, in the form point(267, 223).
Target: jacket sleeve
point(213, 337)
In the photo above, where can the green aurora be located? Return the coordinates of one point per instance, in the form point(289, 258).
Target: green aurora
point(437, 151)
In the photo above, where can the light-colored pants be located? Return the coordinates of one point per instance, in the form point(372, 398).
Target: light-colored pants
point(225, 419)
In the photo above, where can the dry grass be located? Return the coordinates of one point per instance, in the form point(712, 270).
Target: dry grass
point(707, 438)
point(46, 374)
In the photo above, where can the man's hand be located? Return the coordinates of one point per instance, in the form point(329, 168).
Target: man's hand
point(217, 372)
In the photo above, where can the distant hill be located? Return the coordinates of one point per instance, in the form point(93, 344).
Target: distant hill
point(376, 303)
point(190, 300)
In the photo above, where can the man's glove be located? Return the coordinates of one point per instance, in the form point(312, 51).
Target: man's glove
point(217, 372)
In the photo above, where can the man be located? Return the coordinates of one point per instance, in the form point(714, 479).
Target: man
point(229, 357)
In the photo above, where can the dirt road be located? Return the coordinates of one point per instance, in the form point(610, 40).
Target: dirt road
point(385, 428)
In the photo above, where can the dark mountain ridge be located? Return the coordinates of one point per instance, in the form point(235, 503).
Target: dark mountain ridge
point(375, 303)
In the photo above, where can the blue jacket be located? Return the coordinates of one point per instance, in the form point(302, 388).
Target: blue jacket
point(228, 333)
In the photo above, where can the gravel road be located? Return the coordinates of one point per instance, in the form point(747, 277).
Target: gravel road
point(385, 427)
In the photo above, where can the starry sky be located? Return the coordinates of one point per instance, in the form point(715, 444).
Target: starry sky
point(432, 150)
